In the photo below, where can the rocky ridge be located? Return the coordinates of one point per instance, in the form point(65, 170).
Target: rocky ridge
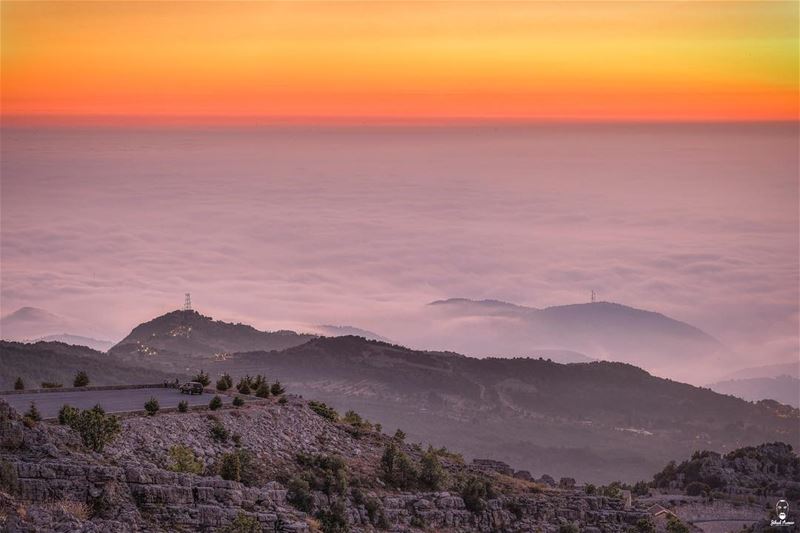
point(50, 481)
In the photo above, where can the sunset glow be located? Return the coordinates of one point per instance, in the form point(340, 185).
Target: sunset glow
point(258, 61)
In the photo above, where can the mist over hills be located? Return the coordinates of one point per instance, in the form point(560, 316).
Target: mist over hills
point(594, 420)
point(57, 362)
point(600, 330)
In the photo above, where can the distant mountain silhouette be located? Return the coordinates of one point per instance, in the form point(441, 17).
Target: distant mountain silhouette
point(600, 330)
point(767, 371)
point(180, 337)
point(784, 389)
point(340, 331)
point(78, 340)
point(58, 362)
point(596, 421)
point(29, 323)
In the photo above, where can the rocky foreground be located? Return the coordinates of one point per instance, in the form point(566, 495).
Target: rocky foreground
point(283, 465)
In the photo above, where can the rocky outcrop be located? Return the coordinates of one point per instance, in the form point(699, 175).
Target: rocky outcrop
point(50, 482)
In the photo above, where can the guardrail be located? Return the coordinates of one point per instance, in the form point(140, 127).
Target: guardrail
point(170, 385)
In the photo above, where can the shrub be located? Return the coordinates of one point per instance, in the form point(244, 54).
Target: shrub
point(151, 406)
point(399, 435)
point(474, 492)
point(9, 482)
point(19, 384)
point(33, 413)
point(243, 523)
point(431, 474)
point(378, 428)
point(355, 420)
point(225, 382)
point(81, 379)
point(238, 401)
point(644, 525)
point(674, 525)
point(568, 528)
point(323, 410)
point(95, 427)
point(397, 469)
point(218, 432)
point(230, 467)
point(299, 494)
point(237, 440)
point(263, 391)
point(51, 385)
point(277, 389)
point(202, 378)
point(327, 473)
point(67, 414)
point(696, 488)
point(183, 406)
point(244, 385)
point(257, 381)
point(215, 403)
point(282, 400)
point(334, 518)
point(184, 460)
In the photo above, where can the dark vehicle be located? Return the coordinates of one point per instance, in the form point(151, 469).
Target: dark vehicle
point(192, 387)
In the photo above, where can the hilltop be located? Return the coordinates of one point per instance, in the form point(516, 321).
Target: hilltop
point(182, 337)
point(600, 330)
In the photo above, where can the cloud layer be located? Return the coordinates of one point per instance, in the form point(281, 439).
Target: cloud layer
point(285, 226)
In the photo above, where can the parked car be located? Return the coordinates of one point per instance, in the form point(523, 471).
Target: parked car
point(192, 387)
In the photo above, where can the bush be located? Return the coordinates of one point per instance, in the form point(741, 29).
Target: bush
point(334, 519)
point(225, 382)
point(202, 378)
point(399, 435)
point(243, 524)
point(230, 467)
point(474, 492)
point(431, 474)
point(95, 427)
point(51, 385)
point(239, 466)
point(184, 460)
point(355, 420)
point(696, 488)
point(81, 379)
point(218, 432)
point(277, 389)
point(644, 525)
point(245, 385)
point(299, 494)
point(590, 489)
point(183, 406)
point(19, 384)
point(263, 391)
point(238, 401)
point(67, 414)
point(568, 528)
point(282, 400)
point(327, 473)
point(9, 482)
point(674, 525)
point(215, 403)
point(151, 406)
point(397, 469)
point(324, 411)
point(33, 413)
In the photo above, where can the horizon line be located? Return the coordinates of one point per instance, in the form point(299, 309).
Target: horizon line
point(251, 121)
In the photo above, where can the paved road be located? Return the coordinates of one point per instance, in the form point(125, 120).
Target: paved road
point(113, 401)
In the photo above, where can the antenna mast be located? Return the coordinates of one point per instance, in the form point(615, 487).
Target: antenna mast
point(594, 296)
point(187, 302)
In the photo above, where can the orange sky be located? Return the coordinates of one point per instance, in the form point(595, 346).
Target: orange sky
point(258, 61)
